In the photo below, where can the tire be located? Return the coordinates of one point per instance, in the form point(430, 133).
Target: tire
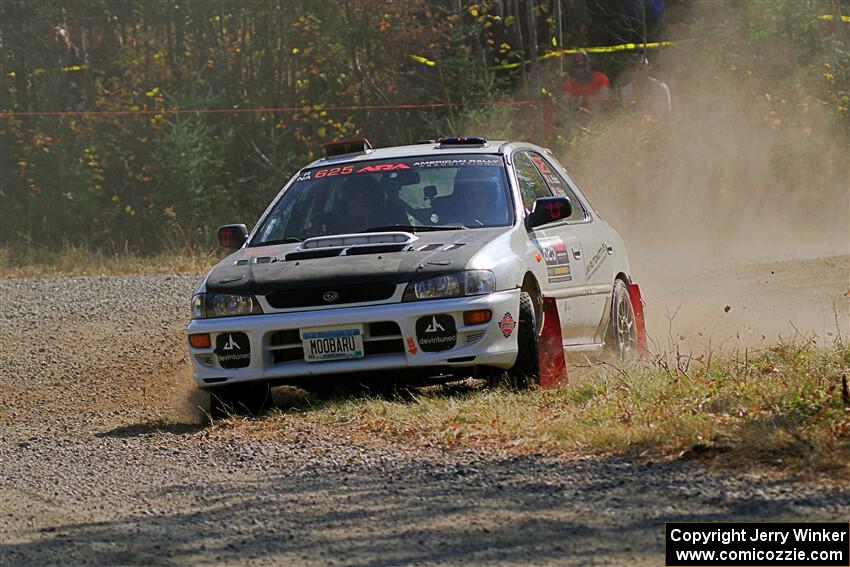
point(526, 370)
point(239, 399)
point(621, 340)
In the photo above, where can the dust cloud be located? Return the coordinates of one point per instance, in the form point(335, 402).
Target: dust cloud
point(735, 207)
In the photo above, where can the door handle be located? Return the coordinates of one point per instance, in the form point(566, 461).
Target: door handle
point(609, 248)
point(576, 252)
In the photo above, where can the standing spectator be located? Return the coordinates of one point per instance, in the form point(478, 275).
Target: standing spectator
point(585, 89)
point(645, 93)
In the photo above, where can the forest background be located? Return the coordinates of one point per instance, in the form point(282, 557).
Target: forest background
point(139, 126)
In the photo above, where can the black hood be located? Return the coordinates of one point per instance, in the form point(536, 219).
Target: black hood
point(282, 269)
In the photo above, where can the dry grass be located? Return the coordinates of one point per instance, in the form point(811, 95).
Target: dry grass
point(81, 261)
point(781, 408)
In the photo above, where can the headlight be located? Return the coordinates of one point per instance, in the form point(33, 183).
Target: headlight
point(209, 305)
point(470, 282)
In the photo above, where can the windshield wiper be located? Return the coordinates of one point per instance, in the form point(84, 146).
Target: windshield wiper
point(286, 240)
point(416, 228)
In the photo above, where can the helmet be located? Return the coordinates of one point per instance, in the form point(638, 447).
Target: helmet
point(580, 58)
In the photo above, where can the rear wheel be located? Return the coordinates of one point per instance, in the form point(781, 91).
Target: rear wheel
point(239, 399)
point(526, 370)
point(622, 329)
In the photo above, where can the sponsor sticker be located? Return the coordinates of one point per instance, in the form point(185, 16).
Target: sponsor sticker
point(507, 324)
point(383, 167)
point(596, 261)
point(541, 164)
point(557, 259)
point(458, 162)
point(397, 165)
point(436, 332)
point(233, 350)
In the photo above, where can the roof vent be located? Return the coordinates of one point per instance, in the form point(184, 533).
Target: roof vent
point(451, 142)
point(343, 147)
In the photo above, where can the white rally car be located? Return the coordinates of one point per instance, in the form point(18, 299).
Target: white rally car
point(432, 260)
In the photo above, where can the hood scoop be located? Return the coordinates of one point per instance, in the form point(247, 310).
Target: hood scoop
point(352, 245)
point(361, 239)
point(260, 260)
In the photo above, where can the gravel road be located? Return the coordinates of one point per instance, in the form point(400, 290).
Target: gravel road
point(103, 463)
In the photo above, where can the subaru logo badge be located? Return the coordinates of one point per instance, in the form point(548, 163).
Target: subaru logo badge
point(330, 296)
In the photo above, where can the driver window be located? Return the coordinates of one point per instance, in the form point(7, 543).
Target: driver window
point(532, 186)
point(558, 185)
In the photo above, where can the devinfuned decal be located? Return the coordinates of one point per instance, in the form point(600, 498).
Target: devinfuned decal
point(436, 332)
point(233, 350)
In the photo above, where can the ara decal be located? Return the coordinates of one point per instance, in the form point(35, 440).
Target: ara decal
point(383, 167)
point(507, 324)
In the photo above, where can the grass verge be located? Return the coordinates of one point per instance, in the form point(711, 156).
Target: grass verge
point(782, 409)
point(73, 260)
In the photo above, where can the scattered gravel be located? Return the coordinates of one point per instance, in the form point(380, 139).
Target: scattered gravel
point(102, 463)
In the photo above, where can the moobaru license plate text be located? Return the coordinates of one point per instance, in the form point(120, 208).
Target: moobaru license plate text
point(332, 343)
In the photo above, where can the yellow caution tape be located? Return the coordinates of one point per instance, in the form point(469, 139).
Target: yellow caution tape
point(420, 59)
point(69, 68)
point(830, 17)
point(604, 49)
point(562, 52)
point(609, 48)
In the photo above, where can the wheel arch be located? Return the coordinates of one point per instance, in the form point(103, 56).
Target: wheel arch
point(530, 286)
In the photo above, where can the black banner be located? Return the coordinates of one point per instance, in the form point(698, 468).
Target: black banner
point(761, 544)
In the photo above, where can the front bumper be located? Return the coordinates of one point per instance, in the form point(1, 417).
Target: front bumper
point(390, 329)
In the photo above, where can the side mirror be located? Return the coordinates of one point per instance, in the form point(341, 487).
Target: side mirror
point(232, 236)
point(548, 209)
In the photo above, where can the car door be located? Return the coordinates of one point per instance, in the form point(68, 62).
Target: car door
point(597, 244)
point(560, 252)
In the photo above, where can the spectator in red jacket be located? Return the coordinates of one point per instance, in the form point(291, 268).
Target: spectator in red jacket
point(585, 89)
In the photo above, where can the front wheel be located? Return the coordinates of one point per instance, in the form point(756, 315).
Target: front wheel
point(621, 340)
point(526, 370)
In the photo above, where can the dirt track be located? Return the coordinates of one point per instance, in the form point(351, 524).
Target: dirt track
point(745, 304)
point(102, 464)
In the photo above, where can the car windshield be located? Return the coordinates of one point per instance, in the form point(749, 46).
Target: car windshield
point(414, 194)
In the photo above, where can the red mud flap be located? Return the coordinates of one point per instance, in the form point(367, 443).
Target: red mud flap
point(553, 365)
point(640, 322)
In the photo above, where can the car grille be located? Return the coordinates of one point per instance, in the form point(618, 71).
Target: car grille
point(380, 338)
point(312, 297)
point(474, 337)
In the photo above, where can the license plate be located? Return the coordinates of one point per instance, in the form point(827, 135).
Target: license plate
point(332, 343)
